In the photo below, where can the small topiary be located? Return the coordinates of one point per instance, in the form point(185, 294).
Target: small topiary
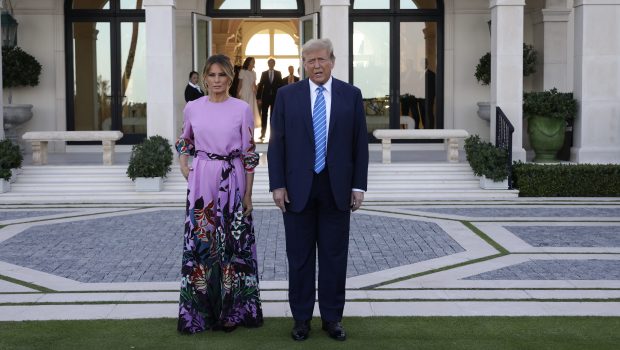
point(483, 68)
point(19, 69)
point(10, 158)
point(151, 158)
point(486, 159)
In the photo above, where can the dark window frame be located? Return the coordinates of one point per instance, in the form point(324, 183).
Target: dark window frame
point(255, 11)
point(395, 17)
point(115, 16)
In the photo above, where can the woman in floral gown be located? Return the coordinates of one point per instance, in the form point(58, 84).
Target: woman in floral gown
point(219, 283)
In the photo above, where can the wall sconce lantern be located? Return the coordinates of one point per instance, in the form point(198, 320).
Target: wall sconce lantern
point(9, 26)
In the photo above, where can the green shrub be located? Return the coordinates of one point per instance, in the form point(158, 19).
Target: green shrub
point(19, 69)
point(486, 159)
point(151, 158)
point(483, 68)
point(550, 104)
point(567, 180)
point(10, 158)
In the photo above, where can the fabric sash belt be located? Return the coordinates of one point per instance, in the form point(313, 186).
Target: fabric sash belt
point(228, 182)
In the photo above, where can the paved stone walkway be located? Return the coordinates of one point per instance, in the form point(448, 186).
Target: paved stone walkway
point(125, 259)
point(592, 269)
point(568, 236)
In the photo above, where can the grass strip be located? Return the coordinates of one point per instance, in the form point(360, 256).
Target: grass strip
point(384, 333)
point(361, 300)
point(469, 262)
point(26, 284)
point(469, 225)
point(502, 251)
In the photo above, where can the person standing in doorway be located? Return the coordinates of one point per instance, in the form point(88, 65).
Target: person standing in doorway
point(318, 170)
point(270, 82)
point(246, 88)
point(291, 78)
point(192, 90)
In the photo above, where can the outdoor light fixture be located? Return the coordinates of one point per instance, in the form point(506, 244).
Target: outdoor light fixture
point(9, 25)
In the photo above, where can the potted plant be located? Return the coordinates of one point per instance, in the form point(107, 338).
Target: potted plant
point(18, 69)
point(149, 163)
point(10, 159)
point(483, 74)
point(487, 161)
point(547, 113)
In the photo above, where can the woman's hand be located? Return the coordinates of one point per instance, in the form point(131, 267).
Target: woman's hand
point(185, 169)
point(247, 205)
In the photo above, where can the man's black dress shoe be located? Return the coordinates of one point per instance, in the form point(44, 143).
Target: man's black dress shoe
point(335, 330)
point(301, 330)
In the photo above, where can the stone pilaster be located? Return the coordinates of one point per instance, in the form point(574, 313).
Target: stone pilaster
point(160, 63)
point(507, 67)
point(597, 81)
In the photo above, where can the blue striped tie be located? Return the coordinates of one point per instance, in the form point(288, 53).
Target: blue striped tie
point(319, 122)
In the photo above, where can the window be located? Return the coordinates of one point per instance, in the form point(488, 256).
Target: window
point(105, 43)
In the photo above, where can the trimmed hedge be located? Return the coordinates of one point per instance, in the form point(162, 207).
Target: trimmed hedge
point(566, 180)
point(486, 159)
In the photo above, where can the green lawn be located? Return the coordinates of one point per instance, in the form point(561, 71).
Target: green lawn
point(381, 333)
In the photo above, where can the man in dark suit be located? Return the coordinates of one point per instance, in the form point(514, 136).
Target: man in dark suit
point(291, 78)
point(192, 90)
point(318, 169)
point(270, 81)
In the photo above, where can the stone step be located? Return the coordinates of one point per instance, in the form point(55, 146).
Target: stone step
point(110, 184)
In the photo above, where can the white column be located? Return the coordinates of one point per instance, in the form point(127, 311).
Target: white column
point(597, 81)
point(507, 67)
point(334, 23)
point(160, 67)
point(551, 28)
point(1, 97)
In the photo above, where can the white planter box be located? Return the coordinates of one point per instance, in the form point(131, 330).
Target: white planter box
point(149, 184)
point(5, 186)
point(14, 173)
point(489, 184)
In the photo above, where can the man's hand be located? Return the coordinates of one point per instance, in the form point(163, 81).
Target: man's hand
point(357, 198)
point(280, 197)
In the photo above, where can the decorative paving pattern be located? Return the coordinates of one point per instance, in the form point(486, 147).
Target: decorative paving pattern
point(568, 236)
point(526, 212)
point(592, 269)
point(27, 213)
point(146, 247)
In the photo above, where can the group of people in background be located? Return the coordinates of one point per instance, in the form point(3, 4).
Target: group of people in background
point(261, 97)
point(318, 168)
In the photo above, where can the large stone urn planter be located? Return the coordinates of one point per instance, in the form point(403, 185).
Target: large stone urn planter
point(484, 111)
point(546, 137)
point(14, 116)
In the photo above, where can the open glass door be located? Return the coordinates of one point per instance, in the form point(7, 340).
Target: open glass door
point(202, 38)
point(308, 29)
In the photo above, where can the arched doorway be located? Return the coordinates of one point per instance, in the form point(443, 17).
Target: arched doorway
point(105, 45)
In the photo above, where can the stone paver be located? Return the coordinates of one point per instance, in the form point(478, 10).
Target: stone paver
point(568, 236)
point(526, 211)
point(26, 213)
point(591, 269)
point(146, 247)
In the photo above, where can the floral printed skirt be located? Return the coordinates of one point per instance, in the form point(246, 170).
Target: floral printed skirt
point(219, 284)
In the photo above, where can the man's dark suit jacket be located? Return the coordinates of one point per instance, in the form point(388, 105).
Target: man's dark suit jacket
point(266, 89)
point(291, 146)
point(285, 80)
point(191, 93)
